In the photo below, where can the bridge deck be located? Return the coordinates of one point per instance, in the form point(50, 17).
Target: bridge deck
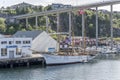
point(85, 6)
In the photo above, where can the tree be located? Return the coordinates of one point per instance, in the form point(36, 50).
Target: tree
point(2, 25)
point(48, 8)
point(11, 30)
point(90, 25)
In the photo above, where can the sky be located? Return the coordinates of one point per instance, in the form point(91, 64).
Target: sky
point(7, 3)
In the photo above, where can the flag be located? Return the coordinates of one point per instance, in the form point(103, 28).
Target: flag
point(81, 11)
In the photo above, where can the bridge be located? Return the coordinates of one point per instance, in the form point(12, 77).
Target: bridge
point(85, 6)
point(69, 10)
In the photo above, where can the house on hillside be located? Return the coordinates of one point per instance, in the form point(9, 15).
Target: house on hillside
point(41, 41)
point(11, 48)
point(21, 5)
point(60, 6)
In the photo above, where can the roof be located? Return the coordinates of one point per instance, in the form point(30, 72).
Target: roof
point(7, 36)
point(30, 34)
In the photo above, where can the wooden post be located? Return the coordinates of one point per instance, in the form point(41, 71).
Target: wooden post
point(43, 63)
point(11, 65)
point(28, 64)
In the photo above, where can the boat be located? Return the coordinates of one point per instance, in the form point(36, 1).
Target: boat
point(108, 50)
point(67, 53)
point(54, 59)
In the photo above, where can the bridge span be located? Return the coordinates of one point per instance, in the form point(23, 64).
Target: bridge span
point(85, 6)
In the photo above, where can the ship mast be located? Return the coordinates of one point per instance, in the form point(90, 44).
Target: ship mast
point(58, 26)
point(83, 32)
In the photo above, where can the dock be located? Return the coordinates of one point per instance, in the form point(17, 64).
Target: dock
point(35, 59)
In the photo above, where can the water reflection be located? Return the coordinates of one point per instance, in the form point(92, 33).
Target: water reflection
point(105, 67)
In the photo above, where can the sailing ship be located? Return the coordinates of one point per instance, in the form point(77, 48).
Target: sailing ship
point(68, 54)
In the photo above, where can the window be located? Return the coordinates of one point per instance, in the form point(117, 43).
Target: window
point(26, 42)
point(18, 51)
point(18, 42)
point(4, 42)
point(10, 42)
point(3, 51)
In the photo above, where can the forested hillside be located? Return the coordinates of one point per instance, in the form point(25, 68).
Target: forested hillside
point(104, 22)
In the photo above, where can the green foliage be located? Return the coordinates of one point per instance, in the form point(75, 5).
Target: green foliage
point(11, 30)
point(90, 24)
point(117, 39)
point(2, 21)
point(48, 8)
point(54, 36)
point(2, 25)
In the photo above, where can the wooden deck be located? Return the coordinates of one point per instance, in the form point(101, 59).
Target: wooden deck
point(35, 59)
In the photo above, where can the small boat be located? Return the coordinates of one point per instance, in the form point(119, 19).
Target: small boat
point(108, 50)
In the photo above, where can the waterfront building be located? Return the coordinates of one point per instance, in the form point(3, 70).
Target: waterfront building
point(15, 47)
point(41, 41)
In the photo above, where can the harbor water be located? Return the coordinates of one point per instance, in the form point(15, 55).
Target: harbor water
point(105, 67)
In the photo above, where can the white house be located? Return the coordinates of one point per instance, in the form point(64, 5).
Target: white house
point(41, 41)
point(15, 47)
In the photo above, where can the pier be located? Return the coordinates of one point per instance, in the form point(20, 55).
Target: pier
point(35, 59)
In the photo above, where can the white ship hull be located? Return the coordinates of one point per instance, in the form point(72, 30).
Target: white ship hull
point(58, 59)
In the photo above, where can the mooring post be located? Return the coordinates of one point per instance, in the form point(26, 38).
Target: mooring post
point(43, 63)
point(28, 64)
point(11, 65)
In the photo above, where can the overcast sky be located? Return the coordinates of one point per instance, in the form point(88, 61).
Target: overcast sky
point(6, 3)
